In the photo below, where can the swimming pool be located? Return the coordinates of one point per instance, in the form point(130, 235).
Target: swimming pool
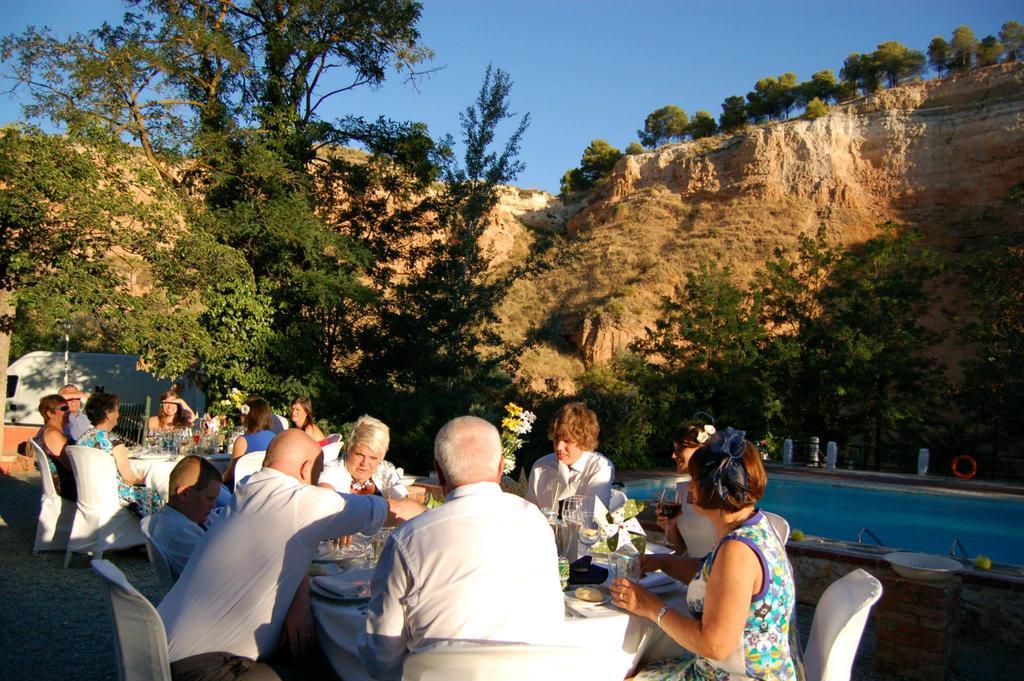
point(900, 517)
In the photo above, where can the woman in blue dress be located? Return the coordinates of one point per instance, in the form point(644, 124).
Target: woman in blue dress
point(102, 412)
point(741, 598)
point(257, 420)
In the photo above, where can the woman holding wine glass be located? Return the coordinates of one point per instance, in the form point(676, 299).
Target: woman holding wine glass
point(686, 530)
point(741, 598)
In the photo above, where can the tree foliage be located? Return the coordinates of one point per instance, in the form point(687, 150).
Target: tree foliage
point(815, 109)
point(1011, 35)
point(963, 49)
point(663, 125)
point(938, 54)
point(702, 125)
point(734, 114)
point(597, 162)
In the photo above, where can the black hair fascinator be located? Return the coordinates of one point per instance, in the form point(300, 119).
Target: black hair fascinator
point(728, 475)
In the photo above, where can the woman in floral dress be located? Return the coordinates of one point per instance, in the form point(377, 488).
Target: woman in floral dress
point(742, 602)
point(102, 411)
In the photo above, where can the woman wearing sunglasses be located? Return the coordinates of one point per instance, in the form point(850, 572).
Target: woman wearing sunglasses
point(51, 439)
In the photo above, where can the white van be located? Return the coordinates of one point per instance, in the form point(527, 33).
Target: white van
point(38, 374)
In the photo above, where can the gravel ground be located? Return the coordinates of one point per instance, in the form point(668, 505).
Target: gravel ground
point(54, 622)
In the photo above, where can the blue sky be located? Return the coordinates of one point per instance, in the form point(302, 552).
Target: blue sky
point(594, 69)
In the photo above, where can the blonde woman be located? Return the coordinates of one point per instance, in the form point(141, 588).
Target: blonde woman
point(363, 470)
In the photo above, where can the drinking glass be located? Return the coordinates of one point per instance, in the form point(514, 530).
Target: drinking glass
point(379, 539)
point(589, 532)
point(571, 509)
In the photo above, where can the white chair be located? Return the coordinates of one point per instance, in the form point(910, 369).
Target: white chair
point(839, 621)
point(332, 451)
point(156, 555)
point(56, 514)
point(140, 641)
point(101, 523)
point(501, 662)
point(779, 524)
point(247, 464)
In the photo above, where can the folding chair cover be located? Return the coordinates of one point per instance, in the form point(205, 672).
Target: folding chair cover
point(140, 641)
point(101, 524)
point(56, 514)
point(502, 662)
point(779, 524)
point(838, 624)
point(248, 464)
point(331, 450)
point(157, 557)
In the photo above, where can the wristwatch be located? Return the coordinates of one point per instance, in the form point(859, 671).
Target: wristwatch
point(661, 613)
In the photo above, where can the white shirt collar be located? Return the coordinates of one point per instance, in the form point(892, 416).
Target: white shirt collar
point(474, 489)
point(581, 463)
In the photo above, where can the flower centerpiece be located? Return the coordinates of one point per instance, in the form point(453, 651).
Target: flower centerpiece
point(517, 423)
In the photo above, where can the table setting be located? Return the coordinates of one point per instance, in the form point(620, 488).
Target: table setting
point(341, 576)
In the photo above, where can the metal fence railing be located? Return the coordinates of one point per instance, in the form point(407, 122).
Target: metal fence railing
point(857, 457)
point(131, 424)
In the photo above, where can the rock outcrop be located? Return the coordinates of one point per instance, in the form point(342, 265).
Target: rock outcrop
point(941, 155)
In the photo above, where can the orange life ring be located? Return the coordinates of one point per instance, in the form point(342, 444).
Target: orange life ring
point(970, 460)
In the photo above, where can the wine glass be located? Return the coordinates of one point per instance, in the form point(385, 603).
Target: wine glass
point(571, 509)
point(589, 532)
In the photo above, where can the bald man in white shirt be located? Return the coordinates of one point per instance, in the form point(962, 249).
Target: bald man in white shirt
point(226, 615)
point(480, 567)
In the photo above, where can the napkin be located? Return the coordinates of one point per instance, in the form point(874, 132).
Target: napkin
point(352, 585)
point(583, 571)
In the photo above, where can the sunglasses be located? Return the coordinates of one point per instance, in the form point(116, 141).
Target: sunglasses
point(63, 407)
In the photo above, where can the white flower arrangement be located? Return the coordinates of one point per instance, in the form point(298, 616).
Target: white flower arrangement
point(517, 423)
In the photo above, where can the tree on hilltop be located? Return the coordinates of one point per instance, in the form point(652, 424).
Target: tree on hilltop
point(1012, 36)
point(702, 125)
point(734, 114)
point(989, 51)
point(634, 148)
point(863, 70)
point(897, 62)
point(963, 49)
point(822, 85)
point(597, 162)
point(663, 125)
point(815, 109)
point(939, 53)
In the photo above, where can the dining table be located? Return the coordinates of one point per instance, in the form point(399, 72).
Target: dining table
point(155, 466)
point(616, 642)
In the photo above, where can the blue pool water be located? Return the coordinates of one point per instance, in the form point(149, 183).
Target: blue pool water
point(903, 518)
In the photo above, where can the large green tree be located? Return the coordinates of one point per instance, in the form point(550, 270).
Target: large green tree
point(663, 125)
point(939, 54)
point(597, 162)
point(1011, 35)
point(963, 49)
point(896, 62)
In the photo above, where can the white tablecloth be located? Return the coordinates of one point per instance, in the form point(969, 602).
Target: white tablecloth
point(157, 471)
point(620, 640)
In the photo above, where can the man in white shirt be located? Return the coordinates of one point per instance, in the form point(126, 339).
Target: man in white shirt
point(480, 567)
point(77, 422)
point(573, 468)
point(226, 614)
point(178, 528)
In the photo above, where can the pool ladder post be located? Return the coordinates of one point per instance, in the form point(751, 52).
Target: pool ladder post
point(872, 535)
point(958, 550)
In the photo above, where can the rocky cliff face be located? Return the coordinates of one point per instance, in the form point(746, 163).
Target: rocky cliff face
point(941, 155)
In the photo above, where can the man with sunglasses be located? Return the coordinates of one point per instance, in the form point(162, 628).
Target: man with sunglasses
point(77, 422)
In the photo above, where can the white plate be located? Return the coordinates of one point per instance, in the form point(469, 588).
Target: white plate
point(923, 567)
point(354, 585)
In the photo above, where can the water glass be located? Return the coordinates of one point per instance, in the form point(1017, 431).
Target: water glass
point(589, 532)
point(625, 566)
point(571, 509)
point(379, 539)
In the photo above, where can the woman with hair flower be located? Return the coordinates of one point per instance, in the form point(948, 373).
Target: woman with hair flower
point(741, 596)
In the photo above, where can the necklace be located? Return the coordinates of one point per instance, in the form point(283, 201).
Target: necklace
point(365, 484)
